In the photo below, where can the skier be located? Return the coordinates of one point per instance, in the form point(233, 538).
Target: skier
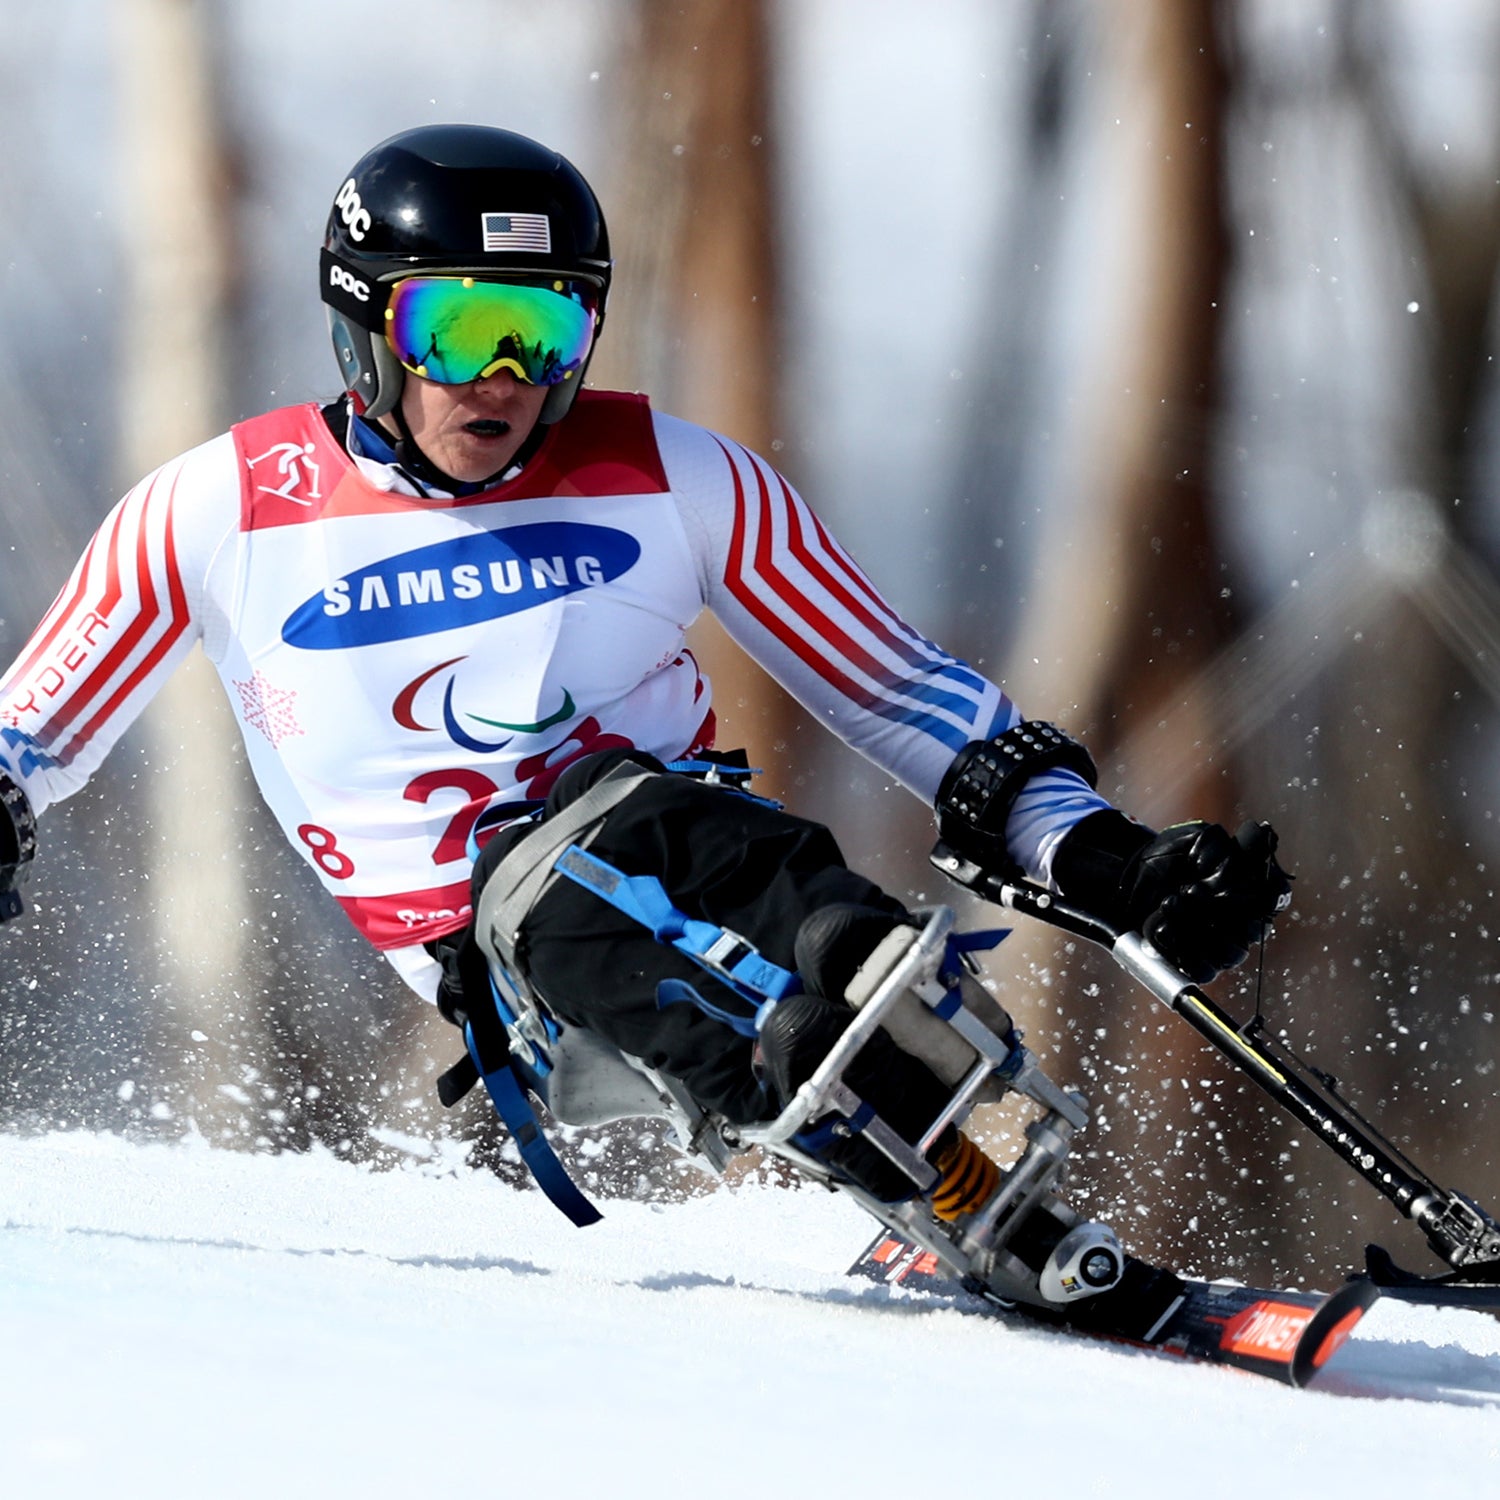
point(448, 610)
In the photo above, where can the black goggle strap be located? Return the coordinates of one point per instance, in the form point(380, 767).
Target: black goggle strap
point(353, 292)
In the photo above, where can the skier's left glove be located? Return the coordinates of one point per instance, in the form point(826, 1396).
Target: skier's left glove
point(1201, 898)
point(17, 845)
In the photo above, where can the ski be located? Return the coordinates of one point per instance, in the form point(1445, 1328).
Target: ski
point(1288, 1336)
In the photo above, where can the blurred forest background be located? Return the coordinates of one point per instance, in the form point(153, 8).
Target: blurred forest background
point(1142, 352)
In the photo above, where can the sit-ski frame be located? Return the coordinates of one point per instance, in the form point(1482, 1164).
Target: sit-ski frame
point(974, 1248)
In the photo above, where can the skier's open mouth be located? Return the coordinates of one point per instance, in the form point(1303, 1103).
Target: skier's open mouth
point(487, 428)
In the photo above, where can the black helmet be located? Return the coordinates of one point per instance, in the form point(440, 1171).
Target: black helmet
point(432, 199)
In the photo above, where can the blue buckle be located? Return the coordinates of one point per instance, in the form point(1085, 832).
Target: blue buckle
point(732, 960)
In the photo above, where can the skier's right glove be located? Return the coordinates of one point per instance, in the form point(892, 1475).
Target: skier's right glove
point(17, 845)
point(464, 999)
point(1201, 898)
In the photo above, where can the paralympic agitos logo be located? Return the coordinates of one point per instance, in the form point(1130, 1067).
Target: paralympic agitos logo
point(404, 709)
point(481, 576)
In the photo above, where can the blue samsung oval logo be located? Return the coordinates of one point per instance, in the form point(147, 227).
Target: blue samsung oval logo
point(466, 581)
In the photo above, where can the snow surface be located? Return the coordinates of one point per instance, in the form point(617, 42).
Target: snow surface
point(183, 1321)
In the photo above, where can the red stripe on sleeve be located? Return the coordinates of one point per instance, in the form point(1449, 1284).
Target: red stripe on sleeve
point(855, 573)
point(771, 619)
point(822, 625)
point(63, 610)
point(147, 614)
point(817, 565)
point(177, 625)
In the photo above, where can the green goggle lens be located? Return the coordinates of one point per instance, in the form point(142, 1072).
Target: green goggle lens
point(454, 329)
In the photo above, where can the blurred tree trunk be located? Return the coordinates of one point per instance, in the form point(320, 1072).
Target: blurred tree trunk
point(1133, 604)
point(694, 220)
point(1453, 224)
point(1129, 604)
point(178, 255)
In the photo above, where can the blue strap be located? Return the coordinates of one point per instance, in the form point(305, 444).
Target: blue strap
point(960, 943)
point(727, 956)
point(708, 767)
point(726, 782)
point(815, 1139)
point(514, 1108)
point(950, 1005)
point(680, 992)
point(542, 1065)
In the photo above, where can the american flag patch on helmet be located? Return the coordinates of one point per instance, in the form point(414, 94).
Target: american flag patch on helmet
point(517, 232)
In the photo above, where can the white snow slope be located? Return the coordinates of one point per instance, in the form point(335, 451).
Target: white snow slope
point(182, 1321)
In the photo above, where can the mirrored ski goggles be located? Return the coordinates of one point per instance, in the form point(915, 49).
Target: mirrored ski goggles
point(454, 329)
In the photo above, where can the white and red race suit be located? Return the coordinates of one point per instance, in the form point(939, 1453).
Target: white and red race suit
point(402, 665)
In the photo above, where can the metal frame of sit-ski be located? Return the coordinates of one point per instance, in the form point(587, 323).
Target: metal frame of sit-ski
point(973, 1248)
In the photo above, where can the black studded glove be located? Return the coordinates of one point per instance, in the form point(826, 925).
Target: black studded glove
point(1201, 898)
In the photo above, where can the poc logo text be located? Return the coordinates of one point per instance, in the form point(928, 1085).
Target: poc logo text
point(355, 215)
point(347, 281)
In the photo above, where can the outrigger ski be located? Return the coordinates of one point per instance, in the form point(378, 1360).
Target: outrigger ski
point(1288, 1336)
point(1456, 1290)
